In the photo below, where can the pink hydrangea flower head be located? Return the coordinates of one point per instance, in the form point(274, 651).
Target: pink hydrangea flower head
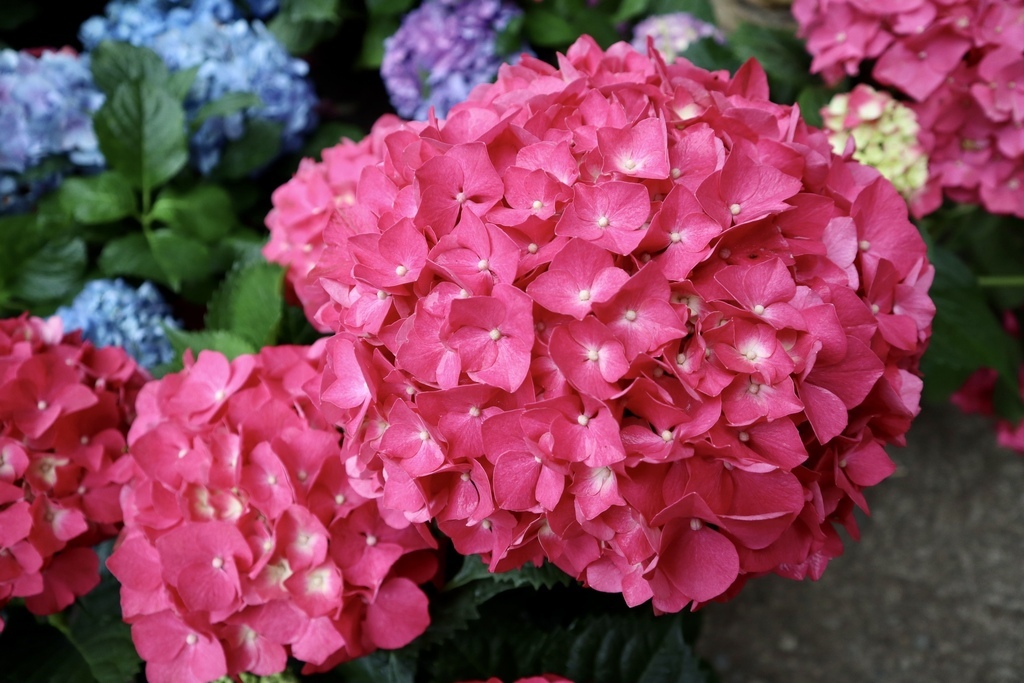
point(245, 540)
point(638, 320)
point(65, 409)
point(959, 64)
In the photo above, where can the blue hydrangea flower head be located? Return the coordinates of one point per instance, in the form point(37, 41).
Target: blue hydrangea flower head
point(233, 55)
point(113, 313)
point(442, 50)
point(46, 106)
point(673, 33)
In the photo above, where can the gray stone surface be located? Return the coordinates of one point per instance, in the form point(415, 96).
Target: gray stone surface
point(934, 592)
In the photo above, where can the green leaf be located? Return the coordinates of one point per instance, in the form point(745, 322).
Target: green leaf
point(141, 131)
point(388, 7)
point(574, 634)
point(180, 257)
point(780, 53)
point(180, 82)
point(51, 275)
point(548, 29)
point(102, 198)
point(380, 667)
point(114, 64)
point(640, 648)
point(94, 627)
point(378, 29)
point(812, 100)
point(130, 255)
point(966, 333)
point(19, 236)
point(709, 54)
point(702, 9)
point(475, 569)
point(630, 9)
point(224, 106)
point(458, 605)
point(34, 652)
point(16, 13)
point(257, 147)
point(311, 10)
point(202, 211)
point(228, 343)
point(249, 303)
point(510, 40)
point(296, 329)
point(995, 246)
point(300, 24)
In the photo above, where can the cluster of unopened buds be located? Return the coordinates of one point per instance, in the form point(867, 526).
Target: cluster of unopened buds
point(884, 132)
point(244, 542)
point(64, 414)
point(626, 315)
point(960, 64)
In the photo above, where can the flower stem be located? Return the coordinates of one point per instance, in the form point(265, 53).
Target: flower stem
point(1001, 281)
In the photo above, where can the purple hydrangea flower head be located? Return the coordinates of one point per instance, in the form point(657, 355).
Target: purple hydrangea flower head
point(233, 55)
point(46, 106)
point(113, 313)
point(673, 33)
point(443, 50)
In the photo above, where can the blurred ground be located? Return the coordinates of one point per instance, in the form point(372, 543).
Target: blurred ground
point(933, 593)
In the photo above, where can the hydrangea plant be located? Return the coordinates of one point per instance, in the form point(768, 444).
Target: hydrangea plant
point(47, 100)
point(441, 51)
point(113, 313)
point(272, 552)
point(232, 55)
point(65, 409)
point(599, 315)
point(673, 33)
point(959, 64)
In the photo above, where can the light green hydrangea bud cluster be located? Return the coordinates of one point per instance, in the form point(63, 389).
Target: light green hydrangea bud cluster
point(885, 135)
